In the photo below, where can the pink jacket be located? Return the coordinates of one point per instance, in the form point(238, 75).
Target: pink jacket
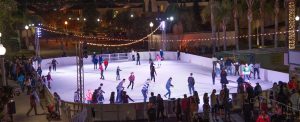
point(131, 78)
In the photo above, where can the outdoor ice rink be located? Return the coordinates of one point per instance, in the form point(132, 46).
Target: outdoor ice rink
point(64, 79)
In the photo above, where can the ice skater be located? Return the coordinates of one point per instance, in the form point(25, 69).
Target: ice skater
point(95, 61)
point(191, 83)
point(246, 72)
point(119, 91)
point(54, 62)
point(145, 89)
point(105, 63)
point(161, 52)
point(178, 55)
point(101, 71)
point(168, 86)
point(158, 59)
point(100, 59)
point(100, 95)
point(150, 57)
point(131, 80)
point(49, 79)
point(152, 72)
point(138, 62)
point(213, 75)
point(118, 73)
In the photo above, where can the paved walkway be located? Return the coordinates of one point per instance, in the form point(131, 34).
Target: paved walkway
point(22, 106)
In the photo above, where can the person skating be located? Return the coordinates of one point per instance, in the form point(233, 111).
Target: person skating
point(213, 75)
point(101, 71)
point(161, 52)
point(191, 83)
point(168, 86)
point(118, 73)
point(95, 61)
point(89, 97)
point(152, 72)
point(246, 72)
point(54, 62)
point(105, 63)
point(178, 55)
point(224, 77)
point(138, 62)
point(49, 78)
point(100, 59)
point(145, 89)
point(131, 80)
point(150, 57)
point(119, 90)
point(100, 95)
point(256, 70)
point(158, 59)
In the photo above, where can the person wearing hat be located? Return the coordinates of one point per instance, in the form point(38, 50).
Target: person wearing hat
point(131, 80)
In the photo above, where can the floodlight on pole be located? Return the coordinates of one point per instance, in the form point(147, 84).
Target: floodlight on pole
point(84, 19)
point(26, 27)
point(131, 15)
point(66, 22)
point(151, 24)
point(297, 18)
point(171, 18)
point(98, 20)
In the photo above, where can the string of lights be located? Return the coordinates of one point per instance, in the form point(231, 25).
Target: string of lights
point(143, 39)
point(78, 34)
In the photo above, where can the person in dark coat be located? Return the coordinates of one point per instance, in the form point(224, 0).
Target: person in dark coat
point(224, 80)
point(152, 72)
point(160, 107)
point(138, 62)
point(213, 75)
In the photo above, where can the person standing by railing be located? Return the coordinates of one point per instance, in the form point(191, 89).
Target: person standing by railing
point(89, 96)
point(57, 103)
point(32, 104)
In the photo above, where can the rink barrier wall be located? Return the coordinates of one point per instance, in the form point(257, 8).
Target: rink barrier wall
point(265, 74)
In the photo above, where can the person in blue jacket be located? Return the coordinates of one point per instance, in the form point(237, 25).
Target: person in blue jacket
point(168, 86)
point(95, 61)
point(161, 52)
point(100, 59)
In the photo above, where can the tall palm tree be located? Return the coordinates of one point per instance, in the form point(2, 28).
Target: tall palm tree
point(213, 25)
point(224, 8)
point(250, 18)
point(262, 18)
point(276, 11)
point(236, 26)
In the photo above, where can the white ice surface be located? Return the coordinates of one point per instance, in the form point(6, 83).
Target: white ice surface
point(64, 79)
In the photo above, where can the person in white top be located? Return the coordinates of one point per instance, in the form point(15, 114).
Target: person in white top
point(218, 69)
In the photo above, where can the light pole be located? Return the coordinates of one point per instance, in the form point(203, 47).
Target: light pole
point(26, 41)
point(2, 53)
point(150, 42)
point(66, 25)
point(297, 18)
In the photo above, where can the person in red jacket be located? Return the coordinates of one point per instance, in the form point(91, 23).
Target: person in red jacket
point(105, 63)
point(131, 80)
point(263, 117)
point(101, 71)
point(292, 84)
